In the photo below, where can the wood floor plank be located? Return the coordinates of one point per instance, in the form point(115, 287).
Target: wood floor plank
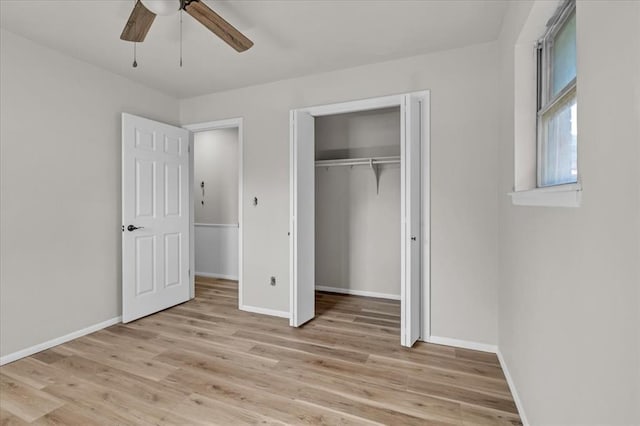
point(429, 409)
point(438, 375)
point(478, 356)
point(259, 378)
point(25, 402)
point(32, 372)
point(272, 405)
point(129, 361)
point(108, 377)
point(49, 356)
point(112, 404)
point(198, 407)
point(68, 415)
point(8, 419)
point(206, 362)
point(333, 367)
point(467, 396)
point(303, 346)
point(473, 415)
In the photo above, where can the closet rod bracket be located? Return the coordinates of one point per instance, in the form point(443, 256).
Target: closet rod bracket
point(376, 174)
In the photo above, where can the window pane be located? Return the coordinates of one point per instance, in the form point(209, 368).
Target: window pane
point(558, 152)
point(564, 56)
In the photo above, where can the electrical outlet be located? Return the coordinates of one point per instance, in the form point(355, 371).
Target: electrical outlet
point(273, 281)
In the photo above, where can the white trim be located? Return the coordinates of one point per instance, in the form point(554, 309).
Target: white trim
point(217, 225)
point(264, 311)
point(216, 125)
point(58, 340)
point(512, 388)
point(192, 219)
point(357, 292)
point(466, 344)
point(568, 195)
point(425, 150)
point(355, 106)
point(214, 275)
point(405, 241)
point(292, 215)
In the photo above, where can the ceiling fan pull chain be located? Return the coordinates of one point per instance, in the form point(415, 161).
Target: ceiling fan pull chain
point(181, 10)
point(135, 62)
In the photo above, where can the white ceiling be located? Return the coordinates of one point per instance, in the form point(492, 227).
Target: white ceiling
point(292, 38)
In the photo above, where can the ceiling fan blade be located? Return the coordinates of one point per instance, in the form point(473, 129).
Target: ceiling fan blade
point(210, 19)
point(138, 24)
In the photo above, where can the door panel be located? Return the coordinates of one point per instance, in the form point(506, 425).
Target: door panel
point(145, 193)
point(172, 189)
point(172, 267)
point(145, 264)
point(302, 232)
point(412, 236)
point(155, 255)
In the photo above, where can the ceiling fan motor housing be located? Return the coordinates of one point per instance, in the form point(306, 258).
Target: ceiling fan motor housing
point(162, 7)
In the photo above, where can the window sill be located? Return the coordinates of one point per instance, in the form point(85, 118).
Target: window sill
point(568, 195)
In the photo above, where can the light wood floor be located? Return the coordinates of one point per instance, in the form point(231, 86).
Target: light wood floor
point(205, 362)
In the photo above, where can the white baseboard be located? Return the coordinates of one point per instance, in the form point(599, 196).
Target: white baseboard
point(466, 344)
point(357, 292)
point(221, 276)
point(512, 388)
point(264, 311)
point(58, 341)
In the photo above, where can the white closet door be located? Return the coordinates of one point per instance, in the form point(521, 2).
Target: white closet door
point(411, 235)
point(302, 228)
point(155, 216)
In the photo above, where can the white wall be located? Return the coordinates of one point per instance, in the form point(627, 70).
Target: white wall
point(216, 251)
point(215, 162)
point(358, 134)
point(569, 278)
point(60, 190)
point(464, 137)
point(358, 229)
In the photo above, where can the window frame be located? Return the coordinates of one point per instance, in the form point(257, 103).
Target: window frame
point(544, 66)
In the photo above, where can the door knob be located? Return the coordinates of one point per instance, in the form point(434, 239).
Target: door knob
point(131, 228)
point(413, 238)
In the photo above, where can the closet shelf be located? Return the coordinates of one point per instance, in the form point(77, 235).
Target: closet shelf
point(372, 162)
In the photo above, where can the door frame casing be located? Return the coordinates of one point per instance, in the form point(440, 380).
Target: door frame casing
point(425, 183)
point(229, 123)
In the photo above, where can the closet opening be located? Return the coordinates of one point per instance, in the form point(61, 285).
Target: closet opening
point(360, 213)
point(357, 218)
point(216, 194)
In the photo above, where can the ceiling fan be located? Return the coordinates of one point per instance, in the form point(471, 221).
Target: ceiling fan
point(145, 11)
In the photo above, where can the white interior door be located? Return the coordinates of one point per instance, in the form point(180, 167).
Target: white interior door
point(155, 216)
point(302, 228)
point(411, 220)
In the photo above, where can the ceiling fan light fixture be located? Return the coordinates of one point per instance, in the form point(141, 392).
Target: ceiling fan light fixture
point(162, 7)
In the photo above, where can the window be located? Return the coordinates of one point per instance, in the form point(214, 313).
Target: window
point(557, 133)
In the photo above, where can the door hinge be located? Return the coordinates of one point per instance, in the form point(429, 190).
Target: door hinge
point(189, 272)
point(189, 148)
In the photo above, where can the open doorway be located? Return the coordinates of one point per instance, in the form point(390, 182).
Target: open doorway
point(354, 235)
point(357, 217)
point(216, 194)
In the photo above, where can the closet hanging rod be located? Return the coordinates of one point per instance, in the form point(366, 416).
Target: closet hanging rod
point(358, 161)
